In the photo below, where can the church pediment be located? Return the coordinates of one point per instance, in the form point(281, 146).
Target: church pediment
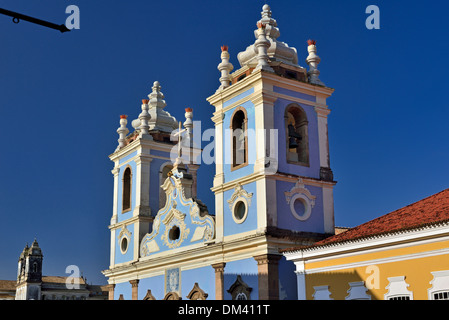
point(180, 222)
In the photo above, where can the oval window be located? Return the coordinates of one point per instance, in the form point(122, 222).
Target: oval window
point(239, 210)
point(299, 206)
point(174, 233)
point(124, 245)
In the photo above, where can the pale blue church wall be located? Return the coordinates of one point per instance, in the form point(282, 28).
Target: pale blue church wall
point(295, 94)
point(205, 276)
point(155, 184)
point(285, 218)
point(229, 174)
point(129, 254)
point(287, 280)
point(229, 225)
point(247, 269)
point(128, 214)
point(160, 153)
point(123, 288)
point(238, 97)
point(155, 284)
point(126, 158)
point(314, 157)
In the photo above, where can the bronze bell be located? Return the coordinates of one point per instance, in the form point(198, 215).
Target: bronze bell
point(292, 143)
point(293, 136)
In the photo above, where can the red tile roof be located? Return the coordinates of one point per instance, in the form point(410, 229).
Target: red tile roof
point(8, 285)
point(431, 210)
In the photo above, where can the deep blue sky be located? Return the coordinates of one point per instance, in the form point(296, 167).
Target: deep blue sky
point(61, 96)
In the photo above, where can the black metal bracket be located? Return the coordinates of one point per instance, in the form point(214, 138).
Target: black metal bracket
point(16, 17)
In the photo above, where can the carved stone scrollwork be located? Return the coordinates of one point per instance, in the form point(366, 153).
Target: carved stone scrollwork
point(239, 203)
point(239, 192)
point(301, 194)
point(149, 296)
point(181, 221)
point(197, 293)
point(172, 296)
point(239, 290)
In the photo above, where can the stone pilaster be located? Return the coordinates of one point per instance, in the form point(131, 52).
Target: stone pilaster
point(110, 288)
point(219, 280)
point(268, 274)
point(134, 288)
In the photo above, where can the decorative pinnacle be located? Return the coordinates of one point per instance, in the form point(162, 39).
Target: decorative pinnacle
point(144, 118)
point(313, 60)
point(122, 131)
point(225, 67)
point(266, 11)
point(261, 48)
point(156, 96)
point(188, 124)
point(188, 140)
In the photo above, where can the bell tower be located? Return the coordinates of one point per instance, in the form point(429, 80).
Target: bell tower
point(272, 157)
point(142, 161)
point(29, 274)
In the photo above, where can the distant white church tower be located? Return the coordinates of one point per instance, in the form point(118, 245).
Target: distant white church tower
point(29, 273)
point(273, 184)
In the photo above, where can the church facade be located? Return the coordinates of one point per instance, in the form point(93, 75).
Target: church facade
point(273, 184)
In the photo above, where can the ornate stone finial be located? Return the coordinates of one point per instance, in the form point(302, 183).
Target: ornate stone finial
point(261, 48)
point(188, 124)
point(313, 60)
point(122, 131)
point(179, 135)
point(144, 118)
point(225, 67)
point(271, 29)
point(160, 120)
point(156, 96)
point(277, 50)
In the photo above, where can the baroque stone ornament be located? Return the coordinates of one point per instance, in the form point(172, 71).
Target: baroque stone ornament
point(122, 131)
point(301, 194)
point(197, 293)
point(238, 193)
point(175, 229)
point(276, 50)
point(239, 290)
point(313, 60)
point(181, 221)
point(239, 203)
point(124, 235)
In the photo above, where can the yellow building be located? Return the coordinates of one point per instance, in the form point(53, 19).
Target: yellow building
point(403, 255)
